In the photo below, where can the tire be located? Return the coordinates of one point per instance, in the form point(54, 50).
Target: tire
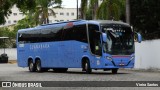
point(87, 67)
point(31, 66)
point(61, 70)
point(114, 71)
point(38, 66)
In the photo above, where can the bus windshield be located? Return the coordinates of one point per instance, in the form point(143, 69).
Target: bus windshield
point(120, 40)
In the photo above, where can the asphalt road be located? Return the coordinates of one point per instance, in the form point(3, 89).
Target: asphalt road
point(11, 72)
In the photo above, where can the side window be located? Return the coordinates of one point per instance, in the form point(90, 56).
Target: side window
point(29, 37)
point(58, 34)
point(44, 35)
point(52, 34)
point(77, 32)
point(67, 34)
point(80, 33)
point(94, 38)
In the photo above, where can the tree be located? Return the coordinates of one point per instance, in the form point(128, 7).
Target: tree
point(94, 7)
point(111, 9)
point(84, 4)
point(128, 11)
point(145, 17)
point(89, 14)
point(42, 9)
point(5, 11)
point(26, 22)
point(5, 32)
point(25, 6)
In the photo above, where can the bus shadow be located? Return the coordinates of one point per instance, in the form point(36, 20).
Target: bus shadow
point(93, 73)
point(82, 72)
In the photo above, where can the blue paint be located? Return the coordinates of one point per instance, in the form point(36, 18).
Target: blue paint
point(68, 54)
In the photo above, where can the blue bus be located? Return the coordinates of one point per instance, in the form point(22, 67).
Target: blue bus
point(95, 44)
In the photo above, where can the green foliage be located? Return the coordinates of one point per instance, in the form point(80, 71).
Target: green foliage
point(5, 6)
point(84, 4)
point(5, 32)
point(42, 9)
point(26, 22)
point(26, 5)
point(33, 9)
point(89, 14)
point(94, 6)
point(145, 17)
point(111, 9)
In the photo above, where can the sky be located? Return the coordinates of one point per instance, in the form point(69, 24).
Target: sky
point(70, 3)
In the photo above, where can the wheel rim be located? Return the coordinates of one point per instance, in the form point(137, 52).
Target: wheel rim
point(86, 66)
point(31, 66)
point(38, 66)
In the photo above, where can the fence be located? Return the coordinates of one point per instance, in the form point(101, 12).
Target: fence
point(148, 55)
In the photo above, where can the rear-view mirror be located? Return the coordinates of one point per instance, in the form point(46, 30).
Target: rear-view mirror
point(104, 35)
point(139, 37)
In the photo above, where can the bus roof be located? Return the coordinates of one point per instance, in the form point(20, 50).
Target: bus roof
point(75, 22)
point(108, 22)
point(64, 22)
point(91, 21)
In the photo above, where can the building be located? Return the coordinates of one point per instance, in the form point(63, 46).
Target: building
point(62, 14)
point(13, 18)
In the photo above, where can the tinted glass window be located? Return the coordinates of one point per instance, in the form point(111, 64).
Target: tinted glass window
point(67, 34)
point(80, 33)
point(45, 35)
point(77, 32)
point(29, 36)
point(94, 38)
point(53, 34)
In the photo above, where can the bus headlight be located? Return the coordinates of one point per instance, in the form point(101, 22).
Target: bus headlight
point(109, 58)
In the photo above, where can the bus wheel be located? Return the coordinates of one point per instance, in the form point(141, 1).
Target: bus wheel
point(31, 66)
point(114, 71)
point(87, 67)
point(38, 66)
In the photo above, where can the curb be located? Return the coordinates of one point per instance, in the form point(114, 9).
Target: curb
point(12, 61)
point(143, 70)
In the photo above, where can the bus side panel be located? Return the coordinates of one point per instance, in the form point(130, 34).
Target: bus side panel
point(74, 52)
point(22, 55)
point(71, 54)
point(82, 49)
point(50, 56)
point(79, 51)
point(64, 54)
point(53, 54)
point(67, 53)
point(47, 52)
